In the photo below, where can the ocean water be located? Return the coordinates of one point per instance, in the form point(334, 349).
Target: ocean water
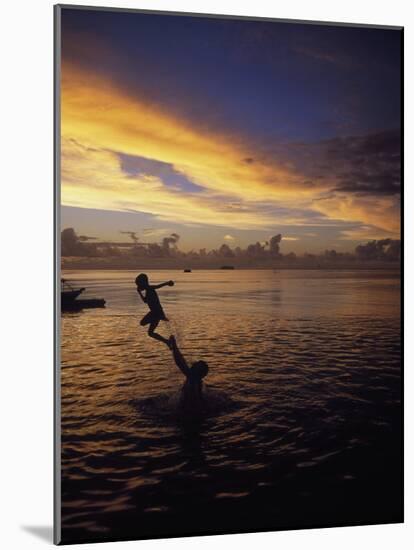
point(302, 426)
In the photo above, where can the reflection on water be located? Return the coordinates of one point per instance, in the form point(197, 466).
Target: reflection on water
point(302, 424)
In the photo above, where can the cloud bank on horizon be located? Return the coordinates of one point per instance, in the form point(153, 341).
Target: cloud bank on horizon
point(153, 125)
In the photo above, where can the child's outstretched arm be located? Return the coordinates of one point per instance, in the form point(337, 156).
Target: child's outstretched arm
point(168, 283)
point(178, 357)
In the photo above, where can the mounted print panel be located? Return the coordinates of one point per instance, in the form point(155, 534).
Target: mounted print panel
point(228, 312)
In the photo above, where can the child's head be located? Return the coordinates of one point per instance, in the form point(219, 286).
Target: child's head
point(142, 281)
point(200, 369)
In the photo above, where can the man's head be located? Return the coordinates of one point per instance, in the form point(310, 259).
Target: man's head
point(142, 281)
point(199, 369)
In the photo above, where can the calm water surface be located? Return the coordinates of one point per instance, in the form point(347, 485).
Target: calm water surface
point(302, 427)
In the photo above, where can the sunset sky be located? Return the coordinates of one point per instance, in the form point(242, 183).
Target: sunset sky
point(229, 130)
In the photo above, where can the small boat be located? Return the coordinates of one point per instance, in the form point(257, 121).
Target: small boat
point(84, 303)
point(227, 267)
point(67, 293)
point(187, 270)
point(70, 301)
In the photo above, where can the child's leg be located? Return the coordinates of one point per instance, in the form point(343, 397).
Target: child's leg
point(155, 335)
point(146, 319)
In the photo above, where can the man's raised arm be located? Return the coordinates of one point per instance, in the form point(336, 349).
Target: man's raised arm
point(178, 358)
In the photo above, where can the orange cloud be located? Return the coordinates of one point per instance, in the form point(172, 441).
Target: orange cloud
point(99, 115)
point(381, 212)
point(93, 178)
point(100, 120)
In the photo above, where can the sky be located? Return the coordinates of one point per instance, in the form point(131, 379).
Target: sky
point(229, 131)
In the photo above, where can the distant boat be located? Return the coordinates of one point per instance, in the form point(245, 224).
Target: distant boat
point(227, 267)
point(69, 298)
point(187, 270)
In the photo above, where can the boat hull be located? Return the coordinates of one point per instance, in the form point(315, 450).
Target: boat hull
point(83, 303)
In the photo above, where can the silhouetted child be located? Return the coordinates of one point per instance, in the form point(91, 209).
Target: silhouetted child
point(192, 392)
point(156, 313)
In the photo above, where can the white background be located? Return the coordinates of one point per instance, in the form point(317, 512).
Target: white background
point(26, 202)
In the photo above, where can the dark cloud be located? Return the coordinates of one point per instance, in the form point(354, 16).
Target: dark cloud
point(167, 241)
point(225, 251)
point(367, 164)
point(85, 238)
point(265, 254)
point(384, 249)
point(362, 165)
point(132, 234)
point(274, 244)
point(72, 245)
